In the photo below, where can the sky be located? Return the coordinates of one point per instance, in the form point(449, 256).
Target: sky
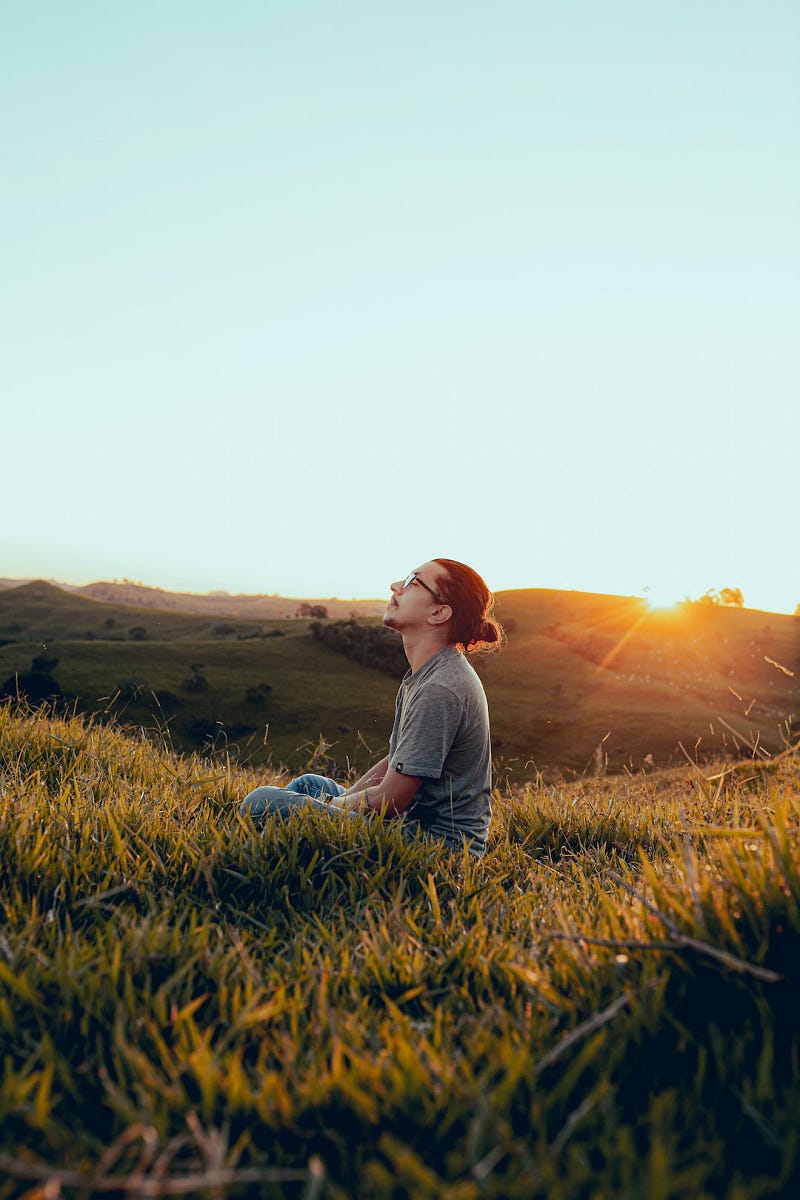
point(297, 296)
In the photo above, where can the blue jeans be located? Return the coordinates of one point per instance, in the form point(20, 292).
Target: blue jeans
point(302, 792)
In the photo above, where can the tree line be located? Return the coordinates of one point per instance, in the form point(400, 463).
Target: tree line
point(368, 645)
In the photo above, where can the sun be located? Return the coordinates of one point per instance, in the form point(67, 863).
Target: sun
point(661, 596)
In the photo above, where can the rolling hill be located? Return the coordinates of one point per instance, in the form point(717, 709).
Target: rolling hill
point(586, 684)
point(260, 690)
point(211, 604)
point(583, 671)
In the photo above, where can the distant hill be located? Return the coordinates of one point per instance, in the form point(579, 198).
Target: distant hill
point(596, 682)
point(260, 689)
point(586, 684)
point(221, 604)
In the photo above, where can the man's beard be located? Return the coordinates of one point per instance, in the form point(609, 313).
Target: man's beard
point(388, 620)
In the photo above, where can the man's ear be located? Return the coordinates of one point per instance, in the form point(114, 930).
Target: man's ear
point(440, 615)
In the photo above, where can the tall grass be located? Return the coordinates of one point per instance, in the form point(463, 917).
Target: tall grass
point(606, 1005)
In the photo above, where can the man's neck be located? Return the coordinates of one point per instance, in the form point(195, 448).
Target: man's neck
point(420, 647)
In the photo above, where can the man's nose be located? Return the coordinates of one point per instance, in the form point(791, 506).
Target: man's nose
point(397, 586)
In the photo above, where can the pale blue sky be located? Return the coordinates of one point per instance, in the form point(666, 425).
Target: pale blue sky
point(297, 296)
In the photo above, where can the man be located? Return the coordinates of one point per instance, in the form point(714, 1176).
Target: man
point(437, 774)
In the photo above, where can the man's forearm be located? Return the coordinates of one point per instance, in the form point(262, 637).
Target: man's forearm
point(356, 795)
point(389, 793)
point(372, 778)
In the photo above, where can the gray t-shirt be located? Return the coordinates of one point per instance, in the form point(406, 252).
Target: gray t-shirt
point(441, 733)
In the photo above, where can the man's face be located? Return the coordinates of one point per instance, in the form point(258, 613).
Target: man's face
point(412, 605)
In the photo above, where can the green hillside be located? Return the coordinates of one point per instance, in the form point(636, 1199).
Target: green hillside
point(579, 672)
point(41, 612)
point(194, 676)
point(584, 670)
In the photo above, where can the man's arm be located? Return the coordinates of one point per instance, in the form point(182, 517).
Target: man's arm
point(391, 795)
point(373, 777)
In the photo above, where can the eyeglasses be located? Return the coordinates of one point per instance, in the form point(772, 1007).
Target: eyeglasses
point(413, 577)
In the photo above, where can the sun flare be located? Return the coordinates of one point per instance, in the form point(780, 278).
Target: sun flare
point(661, 597)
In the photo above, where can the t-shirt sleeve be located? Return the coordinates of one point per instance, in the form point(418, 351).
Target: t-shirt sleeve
point(428, 728)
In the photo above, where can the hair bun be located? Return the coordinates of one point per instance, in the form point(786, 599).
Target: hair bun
point(472, 625)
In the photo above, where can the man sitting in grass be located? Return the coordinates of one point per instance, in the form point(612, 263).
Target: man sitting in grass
point(437, 775)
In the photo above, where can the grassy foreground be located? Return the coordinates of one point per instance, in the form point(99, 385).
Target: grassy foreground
point(606, 1006)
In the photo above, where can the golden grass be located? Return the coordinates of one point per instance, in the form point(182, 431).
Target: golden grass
point(605, 1005)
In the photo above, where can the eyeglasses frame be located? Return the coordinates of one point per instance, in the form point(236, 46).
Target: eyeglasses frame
point(413, 577)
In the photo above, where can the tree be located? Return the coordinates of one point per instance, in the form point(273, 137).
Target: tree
point(312, 610)
point(37, 685)
point(726, 597)
point(731, 597)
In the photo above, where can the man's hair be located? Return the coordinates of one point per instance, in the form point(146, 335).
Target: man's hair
point(473, 624)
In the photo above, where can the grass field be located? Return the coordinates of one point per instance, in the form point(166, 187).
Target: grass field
point(605, 1006)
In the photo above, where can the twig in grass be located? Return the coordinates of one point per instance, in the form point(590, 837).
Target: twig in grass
point(577, 1115)
point(752, 746)
point(665, 920)
point(581, 1031)
point(610, 943)
point(686, 941)
point(761, 765)
point(101, 897)
point(152, 1188)
point(143, 1133)
point(701, 783)
point(148, 1177)
point(483, 1169)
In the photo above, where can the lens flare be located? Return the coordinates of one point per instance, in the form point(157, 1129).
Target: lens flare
point(662, 596)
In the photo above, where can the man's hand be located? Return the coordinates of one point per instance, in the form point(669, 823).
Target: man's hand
point(373, 776)
point(391, 796)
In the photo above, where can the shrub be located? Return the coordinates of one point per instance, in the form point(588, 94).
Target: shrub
point(370, 645)
point(132, 688)
point(37, 687)
point(44, 663)
point(196, 682)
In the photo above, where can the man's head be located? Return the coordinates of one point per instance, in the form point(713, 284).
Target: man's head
point(449, 598)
